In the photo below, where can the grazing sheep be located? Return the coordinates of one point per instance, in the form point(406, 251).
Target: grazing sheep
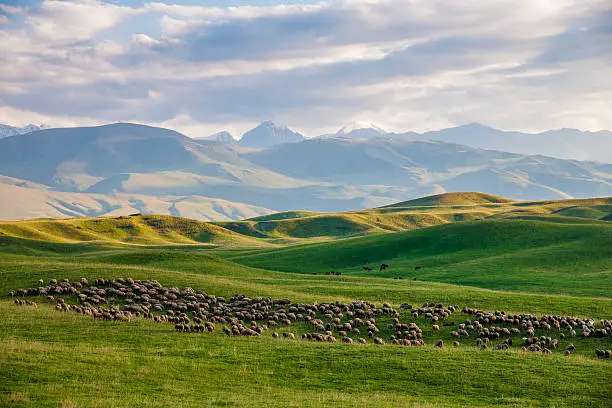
point(192, 311)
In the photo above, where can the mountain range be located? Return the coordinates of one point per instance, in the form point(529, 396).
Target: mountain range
point(570, 144)
point(116, 168)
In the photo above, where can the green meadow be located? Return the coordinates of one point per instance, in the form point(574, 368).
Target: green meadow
point(485, 252)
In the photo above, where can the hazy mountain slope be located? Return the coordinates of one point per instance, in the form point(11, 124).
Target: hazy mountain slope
point(417, 165)
point(135, 159)
point(75, 159)
point(49, 155)
point(12, 181)
point(21, 203)
point(370, 161)
point(562, 143)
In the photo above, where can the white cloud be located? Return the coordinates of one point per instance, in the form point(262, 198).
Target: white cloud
point(144, 39)
point(74, 21)
point(12, 10)
point(233, 12)
point(402, 64)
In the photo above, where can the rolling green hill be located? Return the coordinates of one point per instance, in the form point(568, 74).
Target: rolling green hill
point(469, 239)
point(511, 254)
point(453, 199)
point(414, 214)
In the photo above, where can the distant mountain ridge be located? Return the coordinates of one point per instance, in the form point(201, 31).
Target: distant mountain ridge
point(318, 174)
point(569, 144)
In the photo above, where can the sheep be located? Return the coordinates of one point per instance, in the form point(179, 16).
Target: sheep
point(439, 344)
point(197, 311)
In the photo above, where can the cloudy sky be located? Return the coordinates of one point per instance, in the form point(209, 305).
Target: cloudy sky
point(202, 66)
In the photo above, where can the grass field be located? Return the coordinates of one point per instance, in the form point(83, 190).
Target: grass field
point(543, 261)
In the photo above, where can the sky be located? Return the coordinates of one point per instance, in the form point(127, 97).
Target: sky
point(202, 66)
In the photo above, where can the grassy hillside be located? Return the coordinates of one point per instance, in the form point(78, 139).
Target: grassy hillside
point(415, 214)
point(454, 199)
point(517, 254)
point(136, 229)
point(284, 216)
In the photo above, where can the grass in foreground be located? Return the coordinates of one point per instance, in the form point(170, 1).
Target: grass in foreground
point(58, 359)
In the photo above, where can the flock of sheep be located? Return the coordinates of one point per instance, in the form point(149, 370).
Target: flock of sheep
point(192, 311)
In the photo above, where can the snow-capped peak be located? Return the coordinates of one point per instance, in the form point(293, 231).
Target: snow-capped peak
point(8, 131)
point(361, 129)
